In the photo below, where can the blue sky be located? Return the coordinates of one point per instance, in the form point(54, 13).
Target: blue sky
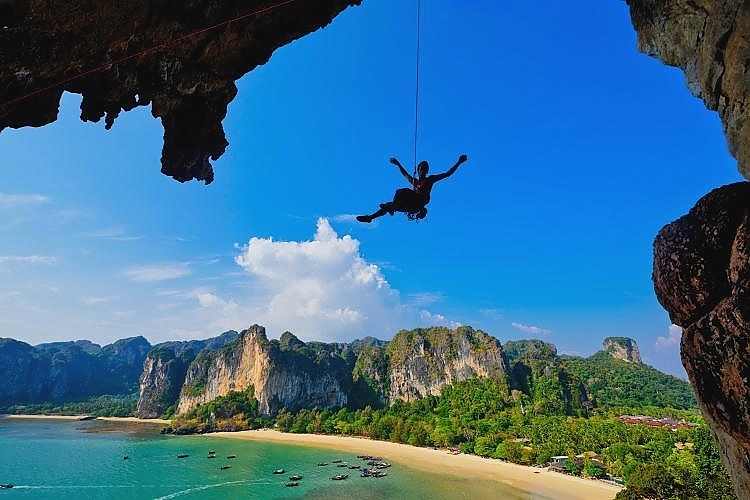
point(580, 149)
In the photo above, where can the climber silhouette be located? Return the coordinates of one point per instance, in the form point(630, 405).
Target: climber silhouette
point(412, 201)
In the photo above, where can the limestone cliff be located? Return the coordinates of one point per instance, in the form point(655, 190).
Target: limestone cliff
point(623, 348)
point(702, 278)
point(422, 362)
point(181, 57)
point(288, 373)
point(291, 374)
point(279, 371)
point(164, 372)
point(710, 41)
point(700, 260)
point(69, 371)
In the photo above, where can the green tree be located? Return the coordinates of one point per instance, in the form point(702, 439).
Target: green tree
point(650, 481)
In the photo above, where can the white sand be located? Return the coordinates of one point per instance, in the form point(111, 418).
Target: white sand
point(537, 481)
point(159, 421)
point(81, 417)
point(45, 417)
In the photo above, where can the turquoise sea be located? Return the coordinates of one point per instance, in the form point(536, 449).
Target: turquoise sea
point(63, 459)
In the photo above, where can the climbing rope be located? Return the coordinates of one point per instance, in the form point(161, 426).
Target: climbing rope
point(416, 90)
point(153, 48)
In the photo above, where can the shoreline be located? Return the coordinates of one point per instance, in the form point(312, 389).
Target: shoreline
point(534, 480)
point(15, 416)
point(159, 421)
point(83, 417)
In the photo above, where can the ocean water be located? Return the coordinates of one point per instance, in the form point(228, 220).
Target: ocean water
point(62, 459)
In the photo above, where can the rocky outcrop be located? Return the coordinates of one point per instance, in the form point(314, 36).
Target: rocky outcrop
point(710, 41)
point(280, 372)
point(704, 255)
point(160, 383)
point(422, 362)
point(370, 377)
point(529, 350)
point(164, 373)
point(69, 371)
point(702, 278)
point(290, 374)
point(623, 348)
point(181, 57)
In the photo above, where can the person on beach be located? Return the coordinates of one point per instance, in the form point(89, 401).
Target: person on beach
point(412, 201)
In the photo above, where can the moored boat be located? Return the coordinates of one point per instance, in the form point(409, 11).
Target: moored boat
point(279, 471)
point(340, 477)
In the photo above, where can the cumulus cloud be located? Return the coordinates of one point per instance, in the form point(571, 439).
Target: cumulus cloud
point(672, 339)
point(320, 289)
point(157, 272)
point(16, 200)
point(534, 330)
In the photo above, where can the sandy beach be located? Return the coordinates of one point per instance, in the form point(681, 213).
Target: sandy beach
point(537, 481)
point(45, 417)
point(158, 421)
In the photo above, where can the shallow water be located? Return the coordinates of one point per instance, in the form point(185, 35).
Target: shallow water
point(64, 459)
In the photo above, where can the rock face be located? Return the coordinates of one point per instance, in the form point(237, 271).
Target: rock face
point(710, 41)
point(623, 348)
point(281, 375)
point(164, 372)
point(181, 57)
point(290, 374)
point(704, 255)
point(422, 362)
point(69, 371)
point(702, 278)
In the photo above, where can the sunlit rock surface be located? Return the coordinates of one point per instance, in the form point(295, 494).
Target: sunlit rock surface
point(623, 348)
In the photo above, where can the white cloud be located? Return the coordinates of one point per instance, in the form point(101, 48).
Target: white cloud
point(90, 301)
point(345, 218)
point(321, 289)
point(424, 298)
point(437, 319)
point(16, 200)
point(157, 272)
point(28, 259)
point(671, 340)
point(494, 314)
point(123, 314)
point(116, 233)
point(534, 330)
